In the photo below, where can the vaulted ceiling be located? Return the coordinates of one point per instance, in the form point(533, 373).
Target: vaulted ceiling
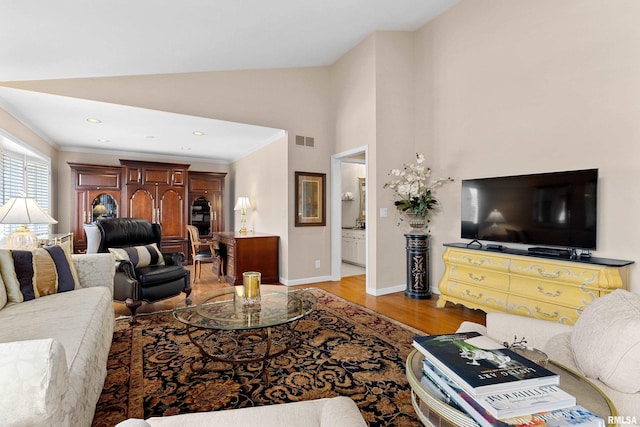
point(45, 40)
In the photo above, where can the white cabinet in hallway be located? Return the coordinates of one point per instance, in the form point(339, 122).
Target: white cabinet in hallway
point(354, 246)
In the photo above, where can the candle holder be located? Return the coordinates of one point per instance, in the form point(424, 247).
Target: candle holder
point(251, 288)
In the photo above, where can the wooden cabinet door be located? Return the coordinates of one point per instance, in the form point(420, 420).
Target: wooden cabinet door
point(171, 209)
point(141, 201)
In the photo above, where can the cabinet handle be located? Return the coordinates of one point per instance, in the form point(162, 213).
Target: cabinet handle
point(139, 177)
point(549, 294)
point(547, 315)
point(173, 179)
point(476, 278)
point(215, 215)
point(549, 275)
point(478, 296)
point(474, 262)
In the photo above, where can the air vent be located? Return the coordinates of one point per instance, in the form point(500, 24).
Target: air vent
point(305, 141)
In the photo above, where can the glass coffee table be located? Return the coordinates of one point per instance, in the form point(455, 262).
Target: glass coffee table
point(434, 412)
point(228, 331)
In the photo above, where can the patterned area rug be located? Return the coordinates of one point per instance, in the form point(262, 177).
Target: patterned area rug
point(346, 350)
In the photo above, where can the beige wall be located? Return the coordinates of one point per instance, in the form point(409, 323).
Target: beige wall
point(487, 89)
point(256, 176)
point(526, 87)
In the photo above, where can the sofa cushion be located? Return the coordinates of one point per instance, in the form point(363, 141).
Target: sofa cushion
point(140, 256)
point(606, 341)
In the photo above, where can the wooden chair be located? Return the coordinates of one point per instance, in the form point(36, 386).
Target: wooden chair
point(204, 252)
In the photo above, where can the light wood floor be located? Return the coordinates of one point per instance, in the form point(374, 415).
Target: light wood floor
point(421, 314)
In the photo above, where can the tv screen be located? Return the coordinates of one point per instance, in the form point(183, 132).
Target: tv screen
point(551, 209)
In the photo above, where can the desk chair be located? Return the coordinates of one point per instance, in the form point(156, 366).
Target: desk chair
point(204, 252)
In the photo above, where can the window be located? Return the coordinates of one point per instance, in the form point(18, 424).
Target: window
point(24, 172)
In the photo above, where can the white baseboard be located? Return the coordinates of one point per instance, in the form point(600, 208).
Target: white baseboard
point(305, 281)
point(385, 291)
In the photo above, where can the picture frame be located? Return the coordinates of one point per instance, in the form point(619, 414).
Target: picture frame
point(310, 199)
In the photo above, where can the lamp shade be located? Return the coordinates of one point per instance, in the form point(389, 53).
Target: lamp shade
point(24, 210)
point(242, 203)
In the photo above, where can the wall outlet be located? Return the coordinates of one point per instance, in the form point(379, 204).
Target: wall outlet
point(317, 263)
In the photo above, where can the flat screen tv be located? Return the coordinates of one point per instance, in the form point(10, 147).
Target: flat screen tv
point(548, 209)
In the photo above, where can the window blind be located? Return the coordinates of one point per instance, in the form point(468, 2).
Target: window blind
point(20, 175)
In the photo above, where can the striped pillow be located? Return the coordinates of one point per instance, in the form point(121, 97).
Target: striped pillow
point(44, 271)
point(140, 256)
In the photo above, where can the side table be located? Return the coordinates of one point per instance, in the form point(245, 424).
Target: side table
point(434, 412)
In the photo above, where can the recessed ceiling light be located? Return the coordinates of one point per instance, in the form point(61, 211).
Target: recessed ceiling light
point(186, 148)
point(92, 120)
point(198, 133)
point(103, 140)
point(150, 136)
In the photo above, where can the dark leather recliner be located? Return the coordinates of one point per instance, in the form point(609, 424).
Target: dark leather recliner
point(132, 284)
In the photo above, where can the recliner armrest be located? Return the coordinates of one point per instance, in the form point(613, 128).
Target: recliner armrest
point(126, 267)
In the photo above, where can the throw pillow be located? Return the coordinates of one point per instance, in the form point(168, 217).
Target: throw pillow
point(11, 284)
point(140, 256)
point(606, 341)
point(44, 271)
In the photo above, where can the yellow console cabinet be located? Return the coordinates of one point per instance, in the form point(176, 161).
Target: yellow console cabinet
point(553, 289)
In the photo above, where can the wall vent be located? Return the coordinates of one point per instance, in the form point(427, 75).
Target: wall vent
point(305, 141)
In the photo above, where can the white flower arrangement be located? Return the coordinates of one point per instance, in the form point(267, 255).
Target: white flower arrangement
point(413, 189)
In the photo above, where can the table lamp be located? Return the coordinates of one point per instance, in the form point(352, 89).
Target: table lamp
point(23, 210)
point(100, 210)
point(242, 205)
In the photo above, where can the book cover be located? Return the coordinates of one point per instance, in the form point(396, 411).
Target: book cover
point(572, 416)
point(522, 402)
point(480, 365)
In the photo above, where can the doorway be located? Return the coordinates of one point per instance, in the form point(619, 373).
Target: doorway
point(349, 211)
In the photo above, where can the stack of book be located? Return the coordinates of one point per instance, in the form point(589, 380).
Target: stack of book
point(496, 386)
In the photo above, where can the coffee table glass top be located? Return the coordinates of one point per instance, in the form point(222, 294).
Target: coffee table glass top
point(223, 308)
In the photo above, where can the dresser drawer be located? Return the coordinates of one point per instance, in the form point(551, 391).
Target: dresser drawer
point(546, 311)
point(578, 275)
point(479, 296)
point(477, 260)
point(475, 276)
point(553, 292)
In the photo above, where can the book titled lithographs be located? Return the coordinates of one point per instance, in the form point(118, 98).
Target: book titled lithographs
point(572, 416)
point(482, 366)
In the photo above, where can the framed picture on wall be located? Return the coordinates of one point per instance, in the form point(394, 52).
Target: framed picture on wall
point(310, 199)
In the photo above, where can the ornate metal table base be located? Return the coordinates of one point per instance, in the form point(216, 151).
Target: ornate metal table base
point(417, 266)
point(243, 347)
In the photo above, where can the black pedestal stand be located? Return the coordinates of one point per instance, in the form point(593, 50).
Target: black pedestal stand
point(417, 266)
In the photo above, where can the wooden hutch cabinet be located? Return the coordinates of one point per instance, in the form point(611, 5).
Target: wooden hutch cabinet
point(157, 193)
point(97, 193)
point(164, 193)
point(205, 201)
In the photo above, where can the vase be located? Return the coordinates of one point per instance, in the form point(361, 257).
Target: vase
point(416, 222)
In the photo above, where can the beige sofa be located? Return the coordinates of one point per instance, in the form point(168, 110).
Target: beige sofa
point(332, 412)
point(603, 345)
point(54, 348)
